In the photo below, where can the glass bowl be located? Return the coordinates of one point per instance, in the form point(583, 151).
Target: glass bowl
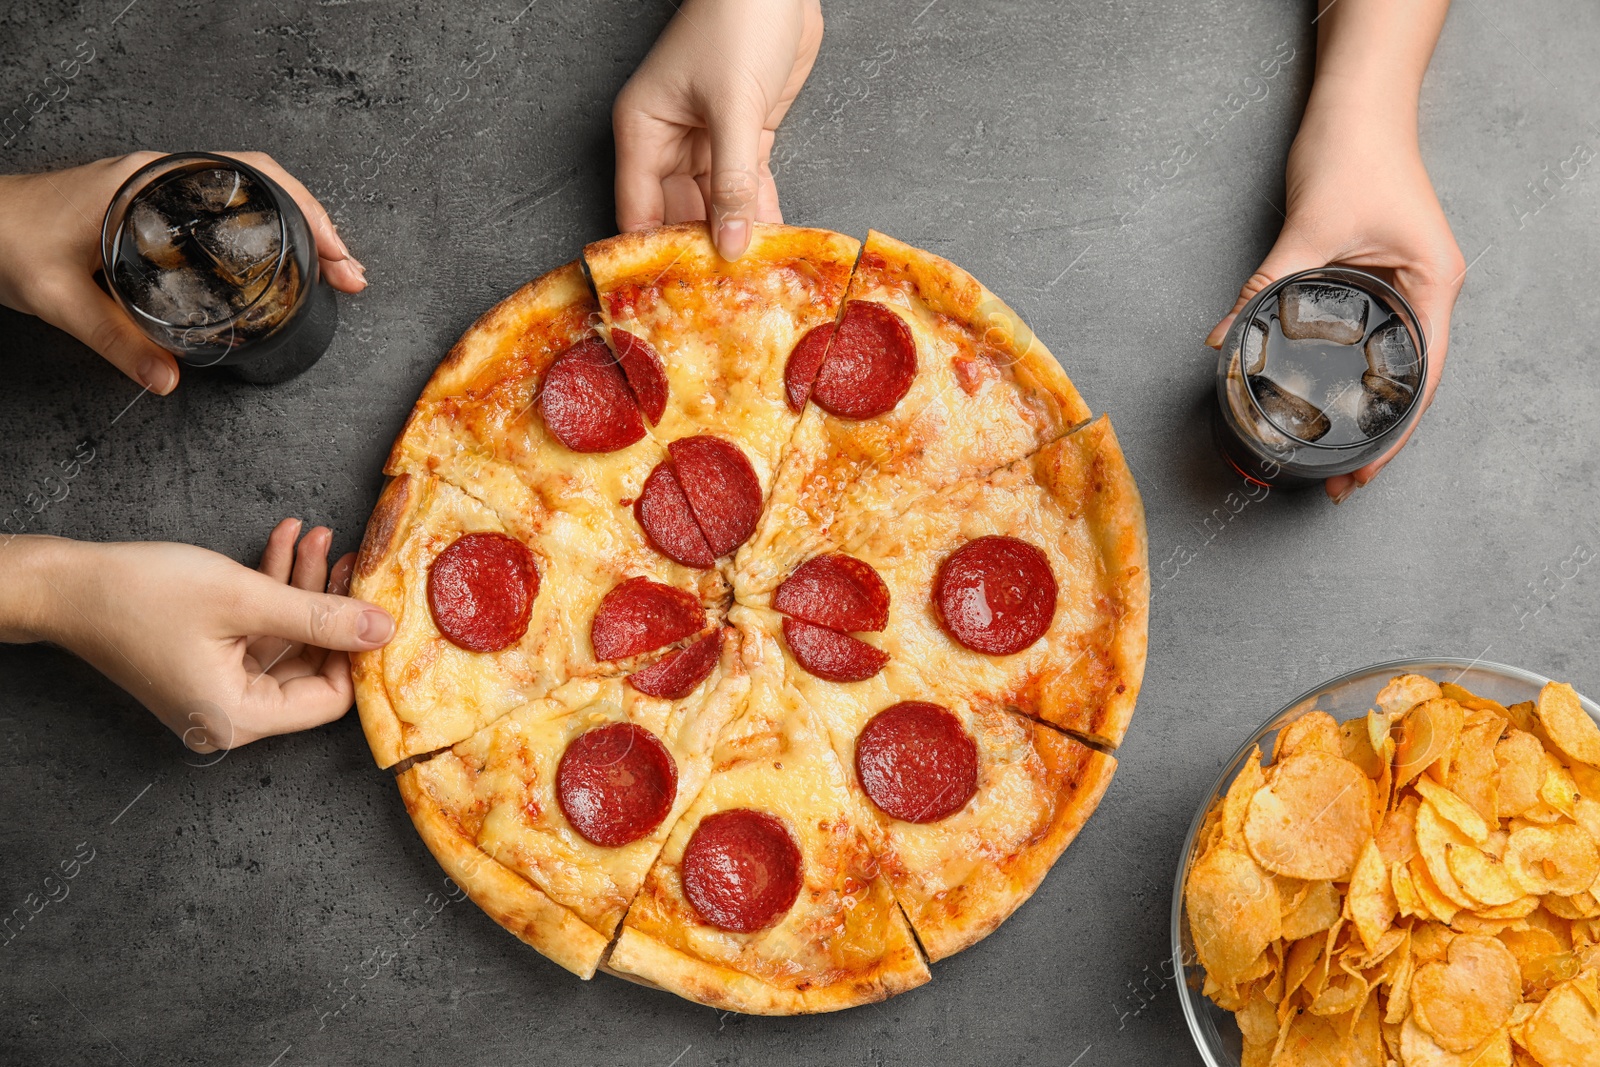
point(1347, 696)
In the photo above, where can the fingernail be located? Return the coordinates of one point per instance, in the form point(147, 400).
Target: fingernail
point(157, 375)
point(340, 247)
point(375, 627)
point(732, 238)
point(1344, 494)
point(356, 263)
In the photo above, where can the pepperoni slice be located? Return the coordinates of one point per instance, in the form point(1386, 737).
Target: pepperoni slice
point(586, 402)
point(481, 590)
point(996, 595)
point(741, 870)
point(616, 783)
point(664, 514)
point(916, 762)
point(676, 676)
point(640, 616)
point(831, 655)
point(646, 375)
point(722, 488)
point(870, 365)
point(837, 591)
point(800, 372)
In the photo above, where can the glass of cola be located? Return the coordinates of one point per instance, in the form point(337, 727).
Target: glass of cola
point(1319, 374)
point(216, 263)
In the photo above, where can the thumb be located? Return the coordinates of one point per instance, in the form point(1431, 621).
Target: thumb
point(735, 177)
point(81, 309)
point(1289, 254)
point(321, 619)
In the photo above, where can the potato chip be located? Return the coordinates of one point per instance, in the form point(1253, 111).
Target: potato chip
point(1375, 964)
point(1345, 994)
point(1427, 733)
point(1406, 692)
point(1407, 900)
point(1258, 1021)
point(1564, 1031)
point(1355, 745)
point(1459, 813)
point(1465, 999)
point(1520, 759)
point(1472, 701)
point(1559, 859)
point(1365, 1041)
point(1434, 833)
point(1523, 718)
point(1233, 912)
point(1315, 731)
point(1435, 902)
point(1573, 906)
point(1309, 1041)
point(1301, 962)
point(1473, 770)
point(1567, 724)
point(1587, 777)
point(1418, 1049)
point(1315, 910)
point(1559, 790)
point(1312, 818)
point(1520, 908)
point(1481, 876)
point(1237, 802)
point(1399, 990)
point(1397, 837)
point(1531, 944)
point(1369, 901)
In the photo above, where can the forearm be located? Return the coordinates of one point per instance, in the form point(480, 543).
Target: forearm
point(31, 573)
point(1371, 57)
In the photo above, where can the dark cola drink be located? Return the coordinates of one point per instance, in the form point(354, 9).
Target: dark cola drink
point(216, 263)
point(1319, 374)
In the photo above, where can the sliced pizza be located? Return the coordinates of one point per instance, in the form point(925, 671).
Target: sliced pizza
point(721, 333)
point(551, 816)
point(1027, 590)
point(974, 803)
point(489, 617)
point(767, 896)
point(927, 379)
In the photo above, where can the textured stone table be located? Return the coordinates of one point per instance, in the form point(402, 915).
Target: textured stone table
point(264, 908)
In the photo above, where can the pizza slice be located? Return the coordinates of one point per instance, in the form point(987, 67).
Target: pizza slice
point(767, 897)
point(717, 335)
point(1027, 590)
point(928, 379)
point(490, 615)
point(551, 816)
point(974, 803)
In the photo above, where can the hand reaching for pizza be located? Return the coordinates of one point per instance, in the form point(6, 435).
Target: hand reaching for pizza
point(1357, 191)
point(50, 251)
point(695, 124)
point(222, 654)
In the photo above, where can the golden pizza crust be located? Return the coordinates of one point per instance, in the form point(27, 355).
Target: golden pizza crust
point(641, 958)
point(508, 899)
point(1076, 777)
point(1100, 482)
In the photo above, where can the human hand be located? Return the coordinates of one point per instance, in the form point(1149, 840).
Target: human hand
point(222, 654)
point(1359, 195)
point(50, 250)
point(694, 125)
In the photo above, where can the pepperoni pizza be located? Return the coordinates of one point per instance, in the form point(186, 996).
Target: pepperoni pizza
point(764, 627)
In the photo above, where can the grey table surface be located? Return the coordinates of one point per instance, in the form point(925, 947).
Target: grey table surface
point(254, 909)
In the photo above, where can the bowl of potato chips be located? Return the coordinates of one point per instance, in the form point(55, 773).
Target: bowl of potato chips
point(1402, 866)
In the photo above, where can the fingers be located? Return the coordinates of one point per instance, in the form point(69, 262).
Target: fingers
point(277, 559)
point(736, 134)
point(78, 306)
point(1289, 254)
point(641, 203)
point(339, 577)
point(320, 619)
point(343, 270)
point(285, 706)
